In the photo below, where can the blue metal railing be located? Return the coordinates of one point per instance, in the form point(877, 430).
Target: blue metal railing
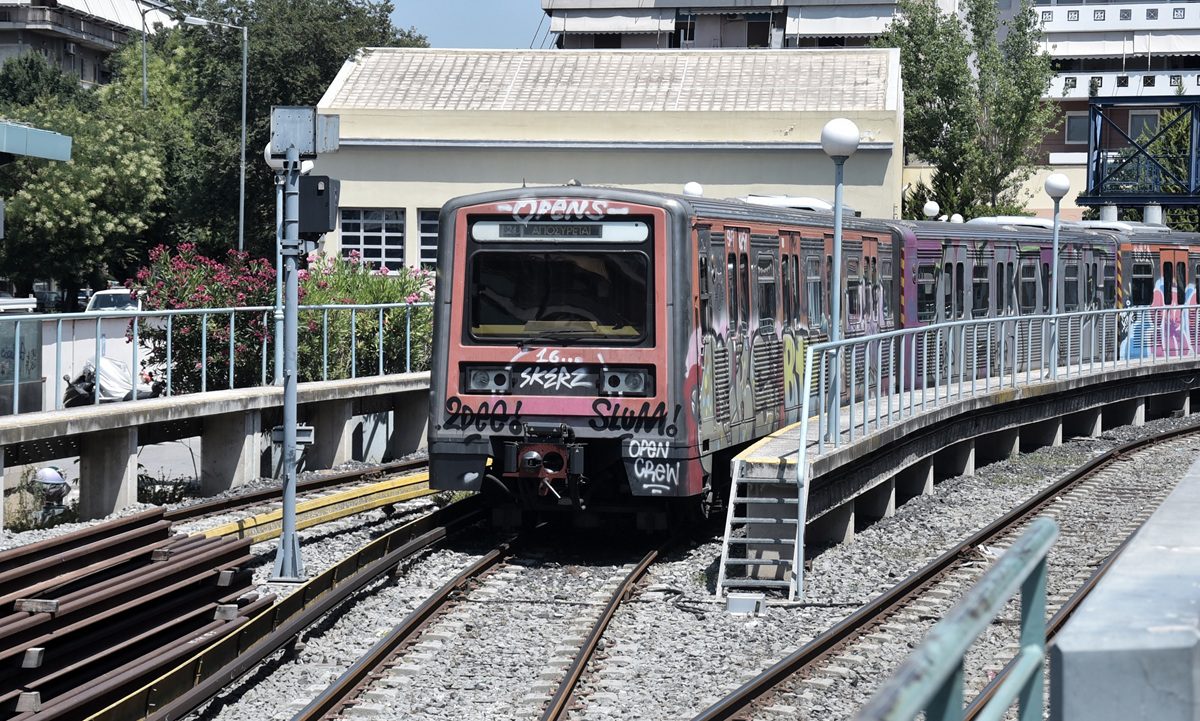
point(931, 680)
point(338, 352)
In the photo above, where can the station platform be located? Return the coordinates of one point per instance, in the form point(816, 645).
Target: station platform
point(1132, 649)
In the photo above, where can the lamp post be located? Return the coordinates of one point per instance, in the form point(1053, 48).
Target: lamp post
point(839, 140)
point(145, 6)
point(192, 20)
point(1056, 187)
point(276, 164)
point(930, 209)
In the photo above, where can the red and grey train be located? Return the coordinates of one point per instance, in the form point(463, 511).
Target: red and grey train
point(608, 348)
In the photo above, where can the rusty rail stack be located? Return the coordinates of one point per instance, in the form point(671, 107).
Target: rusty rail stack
point(87, 617)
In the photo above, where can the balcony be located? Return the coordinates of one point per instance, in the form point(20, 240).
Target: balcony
point(63, 22)
point(1078, 86)
point(1123, 17)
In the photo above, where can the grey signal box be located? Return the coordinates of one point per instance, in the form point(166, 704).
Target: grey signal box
point(318, 203)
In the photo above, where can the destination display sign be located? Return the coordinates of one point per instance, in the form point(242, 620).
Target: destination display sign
point(605, 232)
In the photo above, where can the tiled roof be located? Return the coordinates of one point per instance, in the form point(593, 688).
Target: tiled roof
point(408, 79)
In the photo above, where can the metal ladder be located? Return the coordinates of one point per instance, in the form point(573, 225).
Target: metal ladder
point(769, 527)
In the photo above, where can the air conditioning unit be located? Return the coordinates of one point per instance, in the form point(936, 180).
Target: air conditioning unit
point(70, 48)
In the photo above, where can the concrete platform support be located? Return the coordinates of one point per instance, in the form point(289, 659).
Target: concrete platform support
point(1085, 424)
point(1132, 650)
point(836, 526)
point(334, 424)
point(1125, 413)
point(107, 472)
point(916, 480)
point(957, 460)
point(1041, 434)
point(229, 451)
point(998, 446)
point(410, 424)
point(877, 503)
point(1169, 404)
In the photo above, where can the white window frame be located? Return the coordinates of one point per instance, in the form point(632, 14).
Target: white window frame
point(427, 227)
point(1142, 114)
point(376, 233)
point(1067, 127)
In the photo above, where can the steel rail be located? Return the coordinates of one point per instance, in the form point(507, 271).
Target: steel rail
point(200, 677)
point(220, 505)
point(566, 688)
point(823, 645)
point(345, 690)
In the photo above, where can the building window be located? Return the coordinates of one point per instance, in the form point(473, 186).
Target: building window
point(429, 237)
point(377, 236)
point(606, 41)
point(1077, 127)
point(1072, 15)
point(1143, 124)
point(1178, 13)
point(1176, 81)
point(1151, 13)
point(1069, 82)
point(1122, 81)
point(1126, 14)
point(1047, 16)
point(1098, 15)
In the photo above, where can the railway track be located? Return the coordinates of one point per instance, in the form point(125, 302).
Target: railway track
point(385, 681)
point(900, 617)
point(99, 611)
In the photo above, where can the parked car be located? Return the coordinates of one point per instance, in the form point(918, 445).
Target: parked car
point(114, 300)
point(48, 300)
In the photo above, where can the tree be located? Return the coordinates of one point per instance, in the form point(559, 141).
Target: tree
point(26, 78)
point(83, 220)
point(974, 106)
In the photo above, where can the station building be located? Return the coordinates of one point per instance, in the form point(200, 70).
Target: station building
point(421, 126)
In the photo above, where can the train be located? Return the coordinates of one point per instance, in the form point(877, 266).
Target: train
point(603, 349)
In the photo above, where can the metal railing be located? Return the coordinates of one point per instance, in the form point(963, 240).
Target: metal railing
point(931, 679)
point(197, 350)
point(890, 377)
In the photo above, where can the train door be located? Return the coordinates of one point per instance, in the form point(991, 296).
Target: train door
point(954, 306)
point(741, 290)
point(1092, 298)
point(766, 337)
point(1005, 262)
point(1030, 303)
point(1173, 262)
point(714, 364)
point(976, 341)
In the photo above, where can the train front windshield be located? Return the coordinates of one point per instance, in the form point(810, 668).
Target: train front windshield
point(559, 297)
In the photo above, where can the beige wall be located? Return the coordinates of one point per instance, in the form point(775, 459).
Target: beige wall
point(411, 178)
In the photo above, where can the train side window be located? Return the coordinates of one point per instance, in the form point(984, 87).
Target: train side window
point(948, 291)
point(731, 311)
point(1180, 282)
point(1046, 288)
point(1196, 282)
point(1141, 290)
point(1089, 291)
point(1009, 297)
point(980, 294)
point(816, 293)
point(744, 297)
point(1110, 286)
point(705, 299)
point(999, 289)
point(786, 278)
point(885, 287)
point(853, 292)
point(959, 291)
point(1028, 300)
point(1071, 288)
point(1168, 279)
point(926, 293)
point(827, 287)
point(766, 290)
point(796, 286)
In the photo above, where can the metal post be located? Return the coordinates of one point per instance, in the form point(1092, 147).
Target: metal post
point(279, 179)
point(242, 169)
point(1054, 296)
point(145, 95)
point(835, 295)
point(289, 566)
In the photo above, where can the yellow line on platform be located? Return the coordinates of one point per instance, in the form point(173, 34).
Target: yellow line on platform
point(316, 511)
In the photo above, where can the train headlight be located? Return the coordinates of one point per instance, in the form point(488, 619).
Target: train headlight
point(488, 380)
point(627, 381)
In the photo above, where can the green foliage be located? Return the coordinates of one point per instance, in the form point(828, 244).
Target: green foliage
point(973, 104)
point(27, 78)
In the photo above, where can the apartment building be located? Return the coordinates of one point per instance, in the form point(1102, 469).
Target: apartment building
point(1107, 49)
point(75, 35)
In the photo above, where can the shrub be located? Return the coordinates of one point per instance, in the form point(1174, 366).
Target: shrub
point(185, 279)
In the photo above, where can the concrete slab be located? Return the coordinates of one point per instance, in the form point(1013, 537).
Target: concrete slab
point(107, 472)
point(1132, 650)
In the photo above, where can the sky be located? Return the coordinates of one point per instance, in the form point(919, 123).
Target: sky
point(475, 23)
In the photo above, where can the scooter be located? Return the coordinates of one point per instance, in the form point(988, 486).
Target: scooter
point(114, 385)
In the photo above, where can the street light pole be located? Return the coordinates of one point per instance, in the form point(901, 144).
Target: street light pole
point(1057, 185)
point(192, 20)
point(839, 140)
